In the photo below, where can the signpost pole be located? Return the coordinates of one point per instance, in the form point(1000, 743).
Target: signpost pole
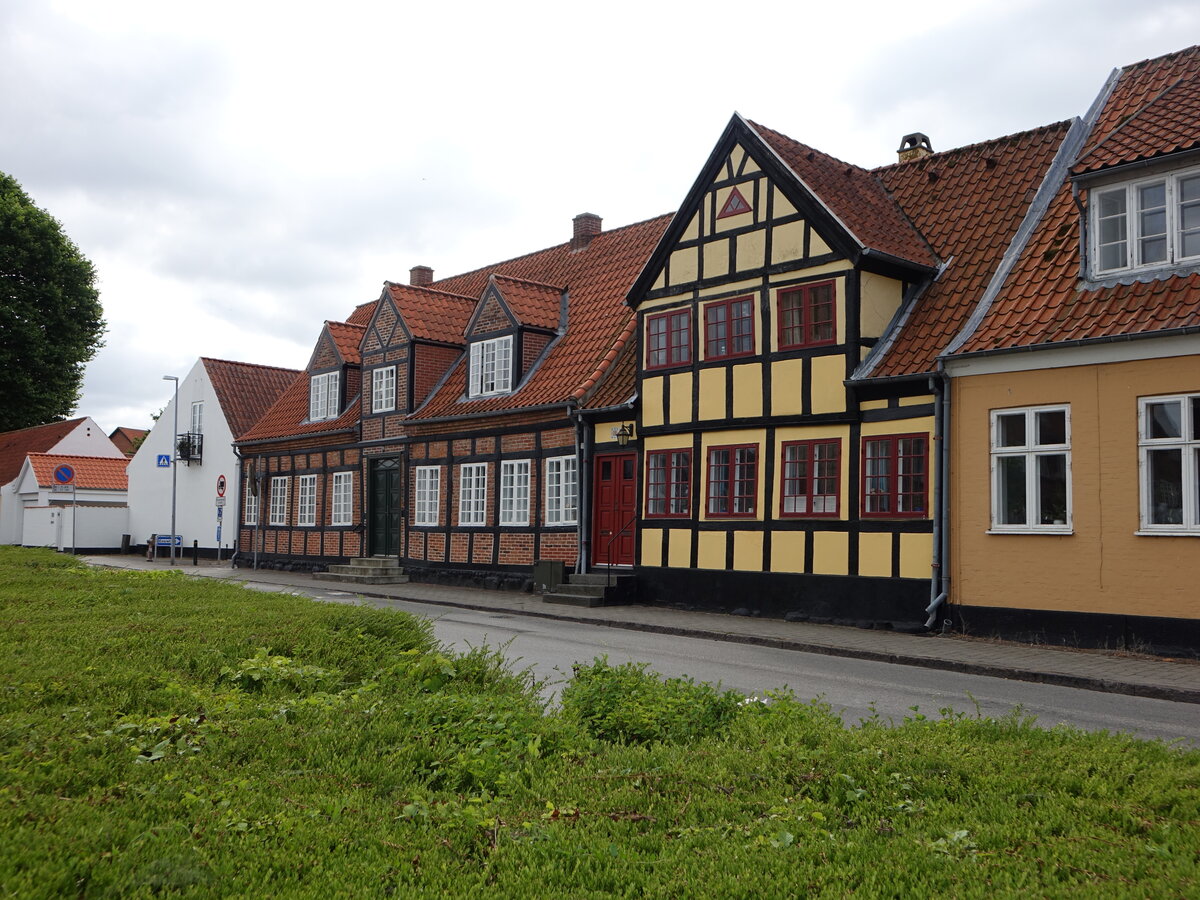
point(174, 460)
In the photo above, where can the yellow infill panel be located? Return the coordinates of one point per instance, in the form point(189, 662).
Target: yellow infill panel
point(781, 205)
point(684, 265)
point(787, 387)
point(830, 552)
point(787, 242)
point(875, 555)
point(916, 555)
point(652, 546)
point(817, 246)
point(681, 397)
point(679, 548)
point(828, 391)
point(787, 551)
point(712, 393)
point(716, 258)
point(711, 550)
point(692, 232)
point(747, 390)
point(652, 400)
point(748, 551)
point(751, 250)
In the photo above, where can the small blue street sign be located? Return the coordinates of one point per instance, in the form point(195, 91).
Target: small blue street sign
point(218, 531)
point(164, 460)
point(64, 474)
point(220, 509)
point(164, 540)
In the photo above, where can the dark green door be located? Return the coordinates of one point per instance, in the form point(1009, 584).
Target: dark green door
point(384, 537)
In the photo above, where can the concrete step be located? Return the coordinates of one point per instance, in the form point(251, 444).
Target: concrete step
point(574, 599)
point(361, 579)
point(582, 590)
point(353, 570)
point(374, 562)
point(600, 578)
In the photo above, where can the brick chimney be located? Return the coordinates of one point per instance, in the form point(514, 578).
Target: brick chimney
point(587, 226)
point(420, 275)
point(914, 146)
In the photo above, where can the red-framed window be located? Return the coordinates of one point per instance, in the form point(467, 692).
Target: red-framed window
point(729, 328)
point(807, 315)
point(669, 339)
point(733, 480)
point(811, 476)
point(896, 475)
point(669, 484)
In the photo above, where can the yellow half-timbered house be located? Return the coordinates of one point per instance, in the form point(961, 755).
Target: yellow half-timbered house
point(790, 322)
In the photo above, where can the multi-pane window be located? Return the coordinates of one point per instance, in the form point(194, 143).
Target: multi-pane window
point(669, 339)
point(429, 491)
point(1169, 445)
point(810, 478)
point(383, 389)
point(472, 494)
point(342, 509)
point(895, 475)
point(514, 492)
point(1031, 469)
point(323, 396)
point(306, 500)
point(733, 480)
point(197, 417)
point(491, 367)
point(669, 483)
point(806, 315)
point(251, 514)
point(279, 500)
point(562, 493)
point(729, 328)
point(1146, 224)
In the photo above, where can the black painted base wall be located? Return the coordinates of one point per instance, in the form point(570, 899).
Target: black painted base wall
point(1144, 634)
point(519, 578)
point(824, 599)
point(289, 563)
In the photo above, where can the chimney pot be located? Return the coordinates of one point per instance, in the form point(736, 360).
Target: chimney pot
point(587, 226)
point(914, 146)
point(420, 275)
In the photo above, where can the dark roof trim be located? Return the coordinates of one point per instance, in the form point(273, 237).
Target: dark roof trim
point(1079, 342)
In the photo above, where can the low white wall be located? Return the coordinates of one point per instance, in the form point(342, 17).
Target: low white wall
point(39, 527)
point(97, 528)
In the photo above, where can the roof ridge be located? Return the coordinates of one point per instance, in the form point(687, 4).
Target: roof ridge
point(1194, 48)
point(545, 284)
point(975, 147)
point(810, 147)
point(425, 289)
point(43, 425)
point(121, 459)
point(1135, 116)
point(236, 362)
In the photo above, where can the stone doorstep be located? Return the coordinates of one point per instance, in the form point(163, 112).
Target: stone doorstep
point(390, 578)
point(575, 599)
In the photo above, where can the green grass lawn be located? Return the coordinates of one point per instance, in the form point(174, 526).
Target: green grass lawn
point(164, 736)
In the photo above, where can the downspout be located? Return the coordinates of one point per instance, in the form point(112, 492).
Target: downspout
point(939, 583)
point(583, 452)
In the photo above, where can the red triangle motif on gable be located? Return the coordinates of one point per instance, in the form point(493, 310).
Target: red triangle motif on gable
point(735, 205)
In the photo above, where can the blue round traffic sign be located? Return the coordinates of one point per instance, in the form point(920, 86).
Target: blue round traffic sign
point(64, 474)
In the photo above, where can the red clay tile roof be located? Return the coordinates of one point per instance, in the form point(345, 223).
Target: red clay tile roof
point(598, 321)
point(362, 314)
point(534, 304)
point(1166, 125)
point(855, 196)
point(126, 439)
point(430, 314)
point(16, 445)
point(1043, 300)
point(968, 203)
point(347, 338)
point(246, 391)
point(98, 473)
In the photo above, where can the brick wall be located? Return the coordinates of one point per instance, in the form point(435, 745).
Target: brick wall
point(430, 363)
point(492, 317)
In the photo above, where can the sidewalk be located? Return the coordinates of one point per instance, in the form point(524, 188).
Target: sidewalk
point(1162, 679)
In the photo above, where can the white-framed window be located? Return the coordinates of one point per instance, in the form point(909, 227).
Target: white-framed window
point(562, 491)
point(279, 500)
point(472, 494)
point(429, 495)
point(514, 492)
point(1169, 464)
point(1146, 224)
point(383, 389)
point(491, 367)
point(250, 516)
point(342, 509)
point(306, 500)
point(197, 417)
point(1031, 469)
point(323, 396)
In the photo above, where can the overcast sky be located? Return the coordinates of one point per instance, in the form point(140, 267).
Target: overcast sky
point(241, 171)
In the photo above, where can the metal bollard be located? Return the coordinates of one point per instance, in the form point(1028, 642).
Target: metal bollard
point(195, 553)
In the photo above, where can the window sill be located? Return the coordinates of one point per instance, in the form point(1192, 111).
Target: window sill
point(1051, 530)
point(1191, 534)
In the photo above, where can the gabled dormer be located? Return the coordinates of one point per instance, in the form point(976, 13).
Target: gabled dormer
point(333, 370)
point(514, 322)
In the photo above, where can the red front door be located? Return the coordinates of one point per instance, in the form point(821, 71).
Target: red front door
point(614, 505)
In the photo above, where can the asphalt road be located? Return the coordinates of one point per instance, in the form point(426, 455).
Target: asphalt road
point(858, 689)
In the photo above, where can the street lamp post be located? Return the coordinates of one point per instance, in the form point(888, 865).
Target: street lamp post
point(174, 461)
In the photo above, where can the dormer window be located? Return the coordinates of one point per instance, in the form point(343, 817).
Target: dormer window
point(491, 367)
point(323, 396)
point(1148, 224)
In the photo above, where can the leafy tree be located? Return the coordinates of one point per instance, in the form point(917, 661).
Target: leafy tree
point(51, 320)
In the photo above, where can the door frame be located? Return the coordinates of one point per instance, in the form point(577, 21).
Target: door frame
point(599, 551)
point(401, 505)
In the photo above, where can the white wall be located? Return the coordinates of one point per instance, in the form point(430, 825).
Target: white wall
point(87, 439)
point(97, 527)
point(196, 488)
point(40, 526)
